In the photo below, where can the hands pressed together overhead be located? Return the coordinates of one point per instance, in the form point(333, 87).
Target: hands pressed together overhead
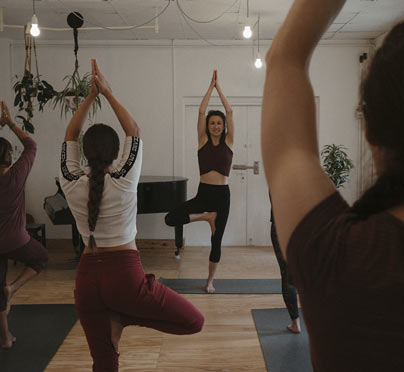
point(5, 118)
point(99, 83)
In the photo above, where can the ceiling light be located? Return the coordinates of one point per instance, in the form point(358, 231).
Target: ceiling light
point(35, 31)
point(258, 62)
point(247, 33)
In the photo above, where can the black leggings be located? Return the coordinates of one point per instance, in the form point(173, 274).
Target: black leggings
point(210, 198)
point(288, 290)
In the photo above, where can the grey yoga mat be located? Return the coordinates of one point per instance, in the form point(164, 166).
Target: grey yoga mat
point(40, 330)
point(225, 286)
point(283, 351)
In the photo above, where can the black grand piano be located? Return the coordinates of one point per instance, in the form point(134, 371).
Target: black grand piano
point(155, 194)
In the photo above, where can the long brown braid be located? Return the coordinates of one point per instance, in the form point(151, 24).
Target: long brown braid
point(100, 146)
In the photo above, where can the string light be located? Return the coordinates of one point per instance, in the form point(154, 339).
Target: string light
point(35, 31)
point(258, 62)
point(247, 32)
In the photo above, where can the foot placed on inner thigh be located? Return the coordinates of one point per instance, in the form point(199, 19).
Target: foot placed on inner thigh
point(116, 330)
point(211, 218)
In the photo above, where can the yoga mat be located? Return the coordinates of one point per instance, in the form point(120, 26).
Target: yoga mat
point(225, 286)
point(283, 351)
point(40, 330)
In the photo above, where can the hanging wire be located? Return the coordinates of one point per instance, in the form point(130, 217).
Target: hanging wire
point(209, 21)
point(33, 6)
point(197, 33)
point(258, 34)
point(122, 27)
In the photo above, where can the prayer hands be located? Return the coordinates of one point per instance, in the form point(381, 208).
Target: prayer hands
point(5, 115)
point(214, 83)
point(99, 81)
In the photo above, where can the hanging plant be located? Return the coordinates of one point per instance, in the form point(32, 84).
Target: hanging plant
point(336, 163)
point(77, 88)
point(31, 88)
point(74, 93)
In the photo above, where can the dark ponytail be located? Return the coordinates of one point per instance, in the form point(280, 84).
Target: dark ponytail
point(100, 146)
point(382, 103)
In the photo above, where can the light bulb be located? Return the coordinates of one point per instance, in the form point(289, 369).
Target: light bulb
point(247, 33)
point(258, 62)
point(35, 31)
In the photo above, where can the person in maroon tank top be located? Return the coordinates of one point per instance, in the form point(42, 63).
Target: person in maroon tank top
point(215, 155)
point(15, 242)
point(347, 263)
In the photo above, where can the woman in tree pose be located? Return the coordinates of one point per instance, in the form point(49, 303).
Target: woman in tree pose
point(15, 242)
point(346, 263)
point(112, 290)
point(212, 202)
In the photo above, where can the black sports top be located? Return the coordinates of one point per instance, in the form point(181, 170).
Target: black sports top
point(217, 158)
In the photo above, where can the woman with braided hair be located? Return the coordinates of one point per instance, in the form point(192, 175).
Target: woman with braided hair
point(112, 290)
point(346, 263)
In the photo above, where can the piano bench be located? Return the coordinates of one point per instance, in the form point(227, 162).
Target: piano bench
point(37, 231)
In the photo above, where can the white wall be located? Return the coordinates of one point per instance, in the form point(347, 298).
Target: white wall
point(152, 81)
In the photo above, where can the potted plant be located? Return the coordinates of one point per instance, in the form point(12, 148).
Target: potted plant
point(336, 163)
point(74, 93)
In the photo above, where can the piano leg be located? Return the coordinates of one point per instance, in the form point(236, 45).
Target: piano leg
point(178, 240)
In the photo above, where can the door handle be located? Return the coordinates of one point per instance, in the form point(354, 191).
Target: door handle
point(255, 167)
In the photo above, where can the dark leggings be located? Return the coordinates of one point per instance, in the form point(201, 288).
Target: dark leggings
point(210, 198)
point(288, 290)
point(32, 254)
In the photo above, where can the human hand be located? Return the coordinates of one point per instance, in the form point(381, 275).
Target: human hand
point(213, 82)
point(94, 91)
point(216, 79)
point(5, 115)
point(99, 79)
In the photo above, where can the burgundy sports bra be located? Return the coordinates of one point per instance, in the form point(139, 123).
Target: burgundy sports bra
point(217, 158)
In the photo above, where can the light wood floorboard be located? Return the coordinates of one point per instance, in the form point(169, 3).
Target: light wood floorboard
point(228, 342)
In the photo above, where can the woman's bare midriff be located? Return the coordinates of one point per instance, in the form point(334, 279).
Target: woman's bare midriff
point(123, 247)
point(214, 178)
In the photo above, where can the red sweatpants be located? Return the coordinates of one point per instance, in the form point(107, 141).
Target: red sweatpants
point(115, 281)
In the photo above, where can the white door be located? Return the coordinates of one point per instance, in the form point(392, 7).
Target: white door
point(248, 222)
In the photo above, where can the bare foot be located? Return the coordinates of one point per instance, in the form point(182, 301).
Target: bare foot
point(211, 218)
point(9, 342)
point(116, 330)
point(209, 288)
point(294, 327)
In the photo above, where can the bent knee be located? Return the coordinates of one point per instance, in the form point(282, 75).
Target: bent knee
point(169, 220)
point(197, 325)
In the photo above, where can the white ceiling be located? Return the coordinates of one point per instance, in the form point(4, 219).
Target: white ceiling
point(360, 19)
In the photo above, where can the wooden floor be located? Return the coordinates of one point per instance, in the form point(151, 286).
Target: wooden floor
point(228, 342)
